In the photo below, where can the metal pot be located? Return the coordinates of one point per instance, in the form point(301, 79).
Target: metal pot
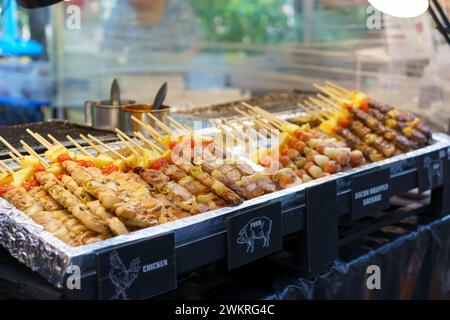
point(102, 114)
point(139, 111)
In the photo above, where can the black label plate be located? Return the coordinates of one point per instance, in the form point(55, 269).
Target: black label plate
point(370, 193)
point(430, 171)
point(253, 234)
point(138, 270)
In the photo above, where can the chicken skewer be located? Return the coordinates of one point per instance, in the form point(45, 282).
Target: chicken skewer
point(135, 212)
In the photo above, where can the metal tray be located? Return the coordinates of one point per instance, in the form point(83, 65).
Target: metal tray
point(44, 253)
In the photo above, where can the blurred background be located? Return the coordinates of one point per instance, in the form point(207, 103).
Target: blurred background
point(53, 59)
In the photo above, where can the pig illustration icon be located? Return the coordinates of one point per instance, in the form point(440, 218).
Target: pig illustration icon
point(256, 229)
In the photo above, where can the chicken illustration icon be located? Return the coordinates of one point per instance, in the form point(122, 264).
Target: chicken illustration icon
point(256, 229)
point(122, 277)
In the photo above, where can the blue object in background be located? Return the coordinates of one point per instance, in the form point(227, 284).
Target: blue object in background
point(10, 42)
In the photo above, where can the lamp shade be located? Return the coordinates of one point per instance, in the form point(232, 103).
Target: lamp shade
point(30, 4)
point(401, 8)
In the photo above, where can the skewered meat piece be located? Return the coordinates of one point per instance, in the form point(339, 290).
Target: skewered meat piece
point(356, 143)
point(114, 198)
point(218, 187)
point(193, 186)
point(303, 175)
point(293, 154)
point(56, 227)
point(75, 188)
point(286, 161)
point(81, 234)
point(42, 197)
point(377, 114)
point(285, 178)
point(174, 192)
point(415, 135)
point(399, 140)
point(173, 172)
point(380, 144)
point(384, 108)
point(230, 172)
point(226, 180)
point(352, 140)
point(19, 198)
point(314, 171)
point(372, 123)
point(115, 225)
point(356, 158)
point(66, 199)
point(340, 155)
point(50, 220)
point(264, 182)
point(358, 128)
point(153, 177)
point(244, 168)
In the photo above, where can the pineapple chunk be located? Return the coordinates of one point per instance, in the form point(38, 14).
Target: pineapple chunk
point(55, 168)
point(289, 128)
point(6, 178)
point(55, 151)
point(102, 161)
point(165, 140)
point(29, 162)
point(21, 176)
point(120, 164)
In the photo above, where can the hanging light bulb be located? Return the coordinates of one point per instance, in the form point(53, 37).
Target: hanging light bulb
point(36, 3)
point(401, 8)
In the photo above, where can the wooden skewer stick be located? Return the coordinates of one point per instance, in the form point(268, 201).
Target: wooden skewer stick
point(160, 124)
point(151, 131)
point(188, 128)
point(14, 157)
point(10, 147)
point(106, 146)
point(264, 113)
point(332, 105)
point(6, 169)
point(314, 103)
point(262, 125)
point(148, 142)
point(151, 144)
point(338, 87)
point(337, 93)
point(270, 116)
point(331, 111)
point(78, 146)
point(54, 140)
point(34, 154)
point(43, 139)
point(129, 139)
point(176, 125)
point(329, 101)
point(311, 112)
point(93, 146)
point(39, 139)
point(270, 122)
point(319, 110)
point(180, 125)
point(274, 121)
point(248, 127)
point(253, 119)
point(327, 92)
point(128, 146)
